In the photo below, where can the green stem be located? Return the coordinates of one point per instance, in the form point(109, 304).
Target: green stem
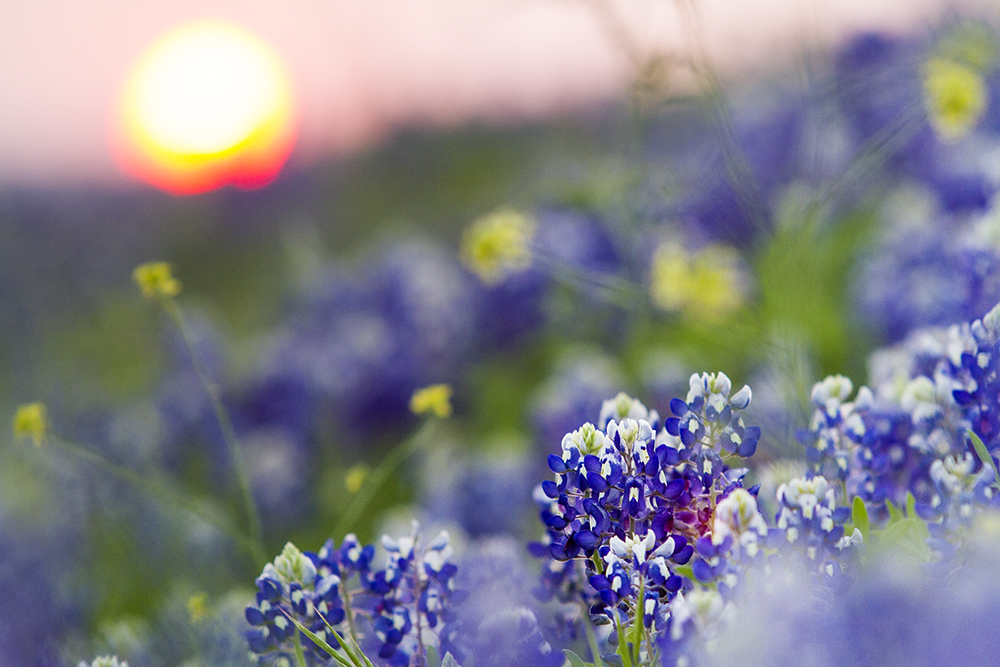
point(614, 290)
point(588, 629)
point(349, 612)
point(623, 651)
point(157, 490)
point(359, 503)
point(225, 424)
point(300, 658)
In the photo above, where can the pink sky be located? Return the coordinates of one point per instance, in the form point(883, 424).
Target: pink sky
point(363, 67)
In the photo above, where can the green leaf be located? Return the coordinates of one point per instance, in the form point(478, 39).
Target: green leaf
point(574, 659)
point(685, 571)
point(984, 456)
point(357, 657)
point(906, 536)
point(859, 517)
point(321, 643)
point(623, 645)
point(433, 657)
point(911, 505)
point(635, 632)
point(894, 513)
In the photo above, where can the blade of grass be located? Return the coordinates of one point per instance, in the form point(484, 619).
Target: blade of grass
point(358, 657)
point(316, 639)
point(359, 503)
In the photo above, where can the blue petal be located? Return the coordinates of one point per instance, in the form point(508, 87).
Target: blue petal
point(748, 447)
point(678, 407)
point(703, 571)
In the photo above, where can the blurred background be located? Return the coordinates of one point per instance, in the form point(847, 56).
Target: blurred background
point(761, 188)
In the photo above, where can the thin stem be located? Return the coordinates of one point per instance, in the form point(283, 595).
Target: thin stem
point(622, 642)
point(612, 289)
point(359, 503)
point(588, 629)
point(349, 612)
point(225, 424)
point(419, 592)
point(300, 658)
point(158, 490)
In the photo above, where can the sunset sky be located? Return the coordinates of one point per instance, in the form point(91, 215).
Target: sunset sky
point(361, 68)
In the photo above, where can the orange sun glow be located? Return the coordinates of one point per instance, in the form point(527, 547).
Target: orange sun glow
point(208, 104)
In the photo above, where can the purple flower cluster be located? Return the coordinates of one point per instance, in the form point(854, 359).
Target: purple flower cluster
point(392, 612)
point(632, 500)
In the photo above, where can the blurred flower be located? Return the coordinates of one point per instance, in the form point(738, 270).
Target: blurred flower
point(703, 285)
point(30, 422)
point(156, 280)
point(498, 244)
point(355, 477)
point(435, 399)
point(955, 97)
point(105, 661)
point(197, 606)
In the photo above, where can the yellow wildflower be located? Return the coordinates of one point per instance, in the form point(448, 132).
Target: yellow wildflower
point(30, 422)
point(705, 285)
point(197, 606)
point(498, 244)
point(156, 280)
point(955, 98)
point(356, 477)
point(435, 399)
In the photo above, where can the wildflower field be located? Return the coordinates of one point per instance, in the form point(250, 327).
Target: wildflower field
point(709, 377)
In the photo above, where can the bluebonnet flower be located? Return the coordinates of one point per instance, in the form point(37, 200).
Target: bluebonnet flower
point(910, 437)
point(836, 428)
point(39, 611)
point(572, 394)
point(631, 502)
point(929, 267)
point(294, 587)
point(737, 209)
point(738, 534)
point(897, 612)
point(697, 617)
point(362, 345)
point(484, 495)
point(415, 594)
point(887, 87)
point(398, 608)
point(513, 637)
point(811, 521)
point(105, 661)
point(501, 622)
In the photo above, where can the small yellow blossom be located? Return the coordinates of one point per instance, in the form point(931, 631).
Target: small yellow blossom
point(356, 477)
point(197, 606)
point(156, 280)
point(435, 399)
point(498, 244)
point(955, 98)
point(30, 422)
point(704, 285)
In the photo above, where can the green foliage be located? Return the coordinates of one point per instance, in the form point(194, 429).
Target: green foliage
point(575, 660)
point(905, 534)
point(859, 517)
point(985, 457)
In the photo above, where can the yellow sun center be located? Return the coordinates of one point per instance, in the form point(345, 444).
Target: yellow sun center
point(208, 103)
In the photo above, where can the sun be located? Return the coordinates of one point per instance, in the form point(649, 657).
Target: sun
point(208, 104)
